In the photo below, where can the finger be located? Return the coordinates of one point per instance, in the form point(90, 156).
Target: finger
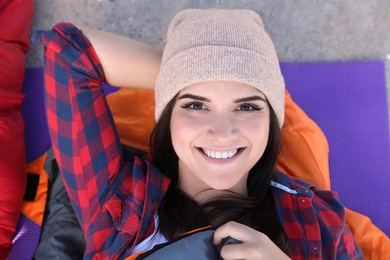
point(233, 251)
point(235, 230)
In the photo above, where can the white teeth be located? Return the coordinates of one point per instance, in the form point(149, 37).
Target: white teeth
point(220, 155)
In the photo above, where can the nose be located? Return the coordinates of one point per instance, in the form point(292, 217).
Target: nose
point(223, 127)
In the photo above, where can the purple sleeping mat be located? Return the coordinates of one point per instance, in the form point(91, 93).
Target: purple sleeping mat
point(348, 101)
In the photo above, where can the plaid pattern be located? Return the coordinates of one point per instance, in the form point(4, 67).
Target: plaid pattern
point(314, 221)
point(115, 201)
point(109, 196)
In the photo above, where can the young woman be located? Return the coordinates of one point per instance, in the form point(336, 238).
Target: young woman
point(219, 108)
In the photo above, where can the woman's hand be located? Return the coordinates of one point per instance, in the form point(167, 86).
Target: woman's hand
point(255, 245)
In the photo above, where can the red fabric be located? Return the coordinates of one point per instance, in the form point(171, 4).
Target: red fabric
point(15, 21)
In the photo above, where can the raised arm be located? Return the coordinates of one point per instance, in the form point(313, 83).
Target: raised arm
point(107, 194)
point(83, 136)
point(126, 62)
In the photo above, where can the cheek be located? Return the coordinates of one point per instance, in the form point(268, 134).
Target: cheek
point(258, 134)
point(184, 130)
point(262, 130)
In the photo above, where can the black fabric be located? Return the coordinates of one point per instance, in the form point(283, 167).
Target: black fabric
point(61, 236)
point(32, 186)
point(192, 246)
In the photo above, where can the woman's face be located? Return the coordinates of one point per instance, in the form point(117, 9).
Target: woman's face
point(219, 131)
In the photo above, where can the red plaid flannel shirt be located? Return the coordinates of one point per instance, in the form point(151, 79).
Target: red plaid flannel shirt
point(116, 201)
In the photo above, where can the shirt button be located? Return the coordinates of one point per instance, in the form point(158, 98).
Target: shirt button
point(303, 200)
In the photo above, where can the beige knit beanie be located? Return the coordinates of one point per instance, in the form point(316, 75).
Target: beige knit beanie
point(214, 44)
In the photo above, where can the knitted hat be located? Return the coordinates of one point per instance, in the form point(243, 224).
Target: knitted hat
point(214, 44)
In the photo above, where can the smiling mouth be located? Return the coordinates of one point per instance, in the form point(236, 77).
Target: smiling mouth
point(220, 154)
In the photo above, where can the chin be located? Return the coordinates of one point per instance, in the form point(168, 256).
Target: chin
point(228, 186)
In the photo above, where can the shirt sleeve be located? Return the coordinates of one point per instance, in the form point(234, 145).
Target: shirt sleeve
point(335, 234)
point(82, 130)
point(313, 220)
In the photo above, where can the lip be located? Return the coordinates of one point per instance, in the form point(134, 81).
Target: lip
point(220, 161)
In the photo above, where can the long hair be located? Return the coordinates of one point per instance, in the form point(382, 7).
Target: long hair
point(179, 213)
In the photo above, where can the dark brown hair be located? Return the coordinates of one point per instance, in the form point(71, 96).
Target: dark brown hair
point(179, 213)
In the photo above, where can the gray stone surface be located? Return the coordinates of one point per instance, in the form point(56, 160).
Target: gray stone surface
point(302, 30)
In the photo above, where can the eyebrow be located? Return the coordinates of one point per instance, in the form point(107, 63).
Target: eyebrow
point(240, 100)
point(251, 98)
point(200, 98)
